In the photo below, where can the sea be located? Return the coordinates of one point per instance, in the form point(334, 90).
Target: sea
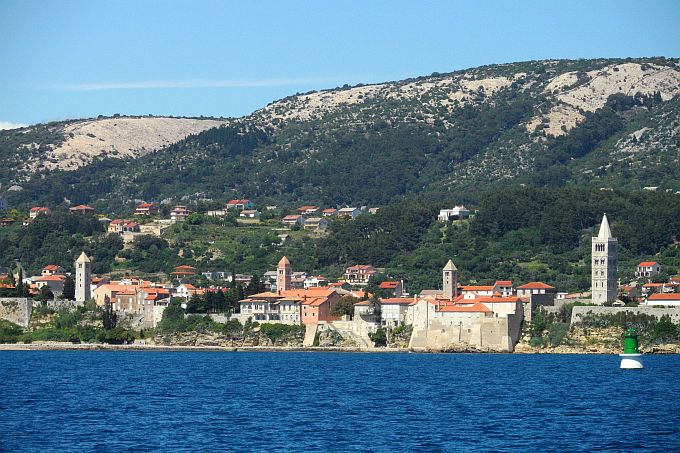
point(335, 402)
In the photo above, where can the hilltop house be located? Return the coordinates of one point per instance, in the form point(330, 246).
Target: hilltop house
point(291, 220)
point(179, 213)
point(121, 226)
point(38, 210)
point(393, 287)
point(249, 214)
point(330, 212)
point(240, 204)
point(351, 213)
point(146, 209)
point(359, 274)
point(456, 213)
point(82, 209)
point(647, 269)
point(52, 269)
point(316, 224)
point(307, 210)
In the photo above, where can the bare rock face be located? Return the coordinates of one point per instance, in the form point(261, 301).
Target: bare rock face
point(118, 138)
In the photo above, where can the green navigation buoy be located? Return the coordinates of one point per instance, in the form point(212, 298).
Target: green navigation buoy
point(631, 359)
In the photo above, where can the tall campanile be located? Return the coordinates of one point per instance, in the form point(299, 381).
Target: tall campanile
point(604, 263)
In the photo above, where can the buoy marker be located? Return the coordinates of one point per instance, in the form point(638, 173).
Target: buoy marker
point(631, 359)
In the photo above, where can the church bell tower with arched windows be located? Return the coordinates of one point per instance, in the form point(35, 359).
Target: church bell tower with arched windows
point(604, 262)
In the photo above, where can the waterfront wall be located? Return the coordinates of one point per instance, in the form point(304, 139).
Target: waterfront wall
point(16, 310)
point(578, 312)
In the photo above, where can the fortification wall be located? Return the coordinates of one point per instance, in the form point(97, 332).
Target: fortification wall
point(578, 312)
point(489, 334)
point(16, 309)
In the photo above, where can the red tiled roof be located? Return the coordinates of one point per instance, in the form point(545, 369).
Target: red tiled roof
point(673, 296)
point(238, 201)
point(389, 285)
point(292, 217)
point(39, 209)
point(52, 267)
point(476, 288)
point(503, 283)
point(475, 308)
point(647, 264)
point(536, 285)
point(396, 301)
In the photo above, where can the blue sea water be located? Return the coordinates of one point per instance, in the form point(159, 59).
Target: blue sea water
point(280, 401)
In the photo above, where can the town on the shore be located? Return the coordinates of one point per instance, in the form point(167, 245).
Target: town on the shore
point(454, 315)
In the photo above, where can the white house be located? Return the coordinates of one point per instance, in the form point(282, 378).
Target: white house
point(315, 282)
point(352, 213)
point(647, 269)
point(456, 213)
point(393, 310)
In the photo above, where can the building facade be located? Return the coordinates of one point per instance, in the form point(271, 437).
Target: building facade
point(604, 265)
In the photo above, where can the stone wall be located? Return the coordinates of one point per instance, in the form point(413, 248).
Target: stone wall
point(579, 312)
point(16, 309)
point(486, 334)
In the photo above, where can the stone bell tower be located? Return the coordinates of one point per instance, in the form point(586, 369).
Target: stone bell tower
point(604, 264)
point(450, 280)
point(83, 278)
point(283, 275)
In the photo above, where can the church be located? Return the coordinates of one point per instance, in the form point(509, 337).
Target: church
point(604, 263)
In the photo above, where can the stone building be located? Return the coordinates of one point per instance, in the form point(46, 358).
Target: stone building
point(604, 264)
point(83, 278)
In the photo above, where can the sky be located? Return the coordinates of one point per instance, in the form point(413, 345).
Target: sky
point(74, 59)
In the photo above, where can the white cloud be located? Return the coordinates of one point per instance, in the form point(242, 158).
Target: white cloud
point(158, 84)
point(8, 125)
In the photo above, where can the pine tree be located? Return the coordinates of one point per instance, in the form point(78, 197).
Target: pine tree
point(69, 288)
point(109, 317)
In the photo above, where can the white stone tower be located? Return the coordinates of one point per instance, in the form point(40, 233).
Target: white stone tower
point(83, 278)
point(604, 263)
point(450, 280)
point(283, 275)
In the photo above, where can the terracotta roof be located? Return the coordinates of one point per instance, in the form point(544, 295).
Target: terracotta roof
point(266, 295)
point(39, 209)
point(477, 288)
point(653, 285)
point(51, 278)
point(389, 285)
point(503, 283)
point(672, 296)
point(396, 301)
point(145, 205)
point(82, 207)
point(329, 210)
point(474, 308)
point(363, 303)
point(52, 267)
point(536, 285)
point(647, 264)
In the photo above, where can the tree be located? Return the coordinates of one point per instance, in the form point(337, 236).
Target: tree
point(46, 293)
point(379, 338)
point(376, 309)
point(109, 317)
point(344, 307)
point(254, 286)
point(69, 292)
point(21, 288)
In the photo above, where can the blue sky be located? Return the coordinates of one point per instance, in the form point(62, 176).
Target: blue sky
point(73, 59)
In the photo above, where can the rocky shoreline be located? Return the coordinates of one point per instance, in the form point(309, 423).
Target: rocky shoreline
point(520, 349)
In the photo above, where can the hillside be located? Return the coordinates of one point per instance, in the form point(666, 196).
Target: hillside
point(602, 123)
point(74, 144)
